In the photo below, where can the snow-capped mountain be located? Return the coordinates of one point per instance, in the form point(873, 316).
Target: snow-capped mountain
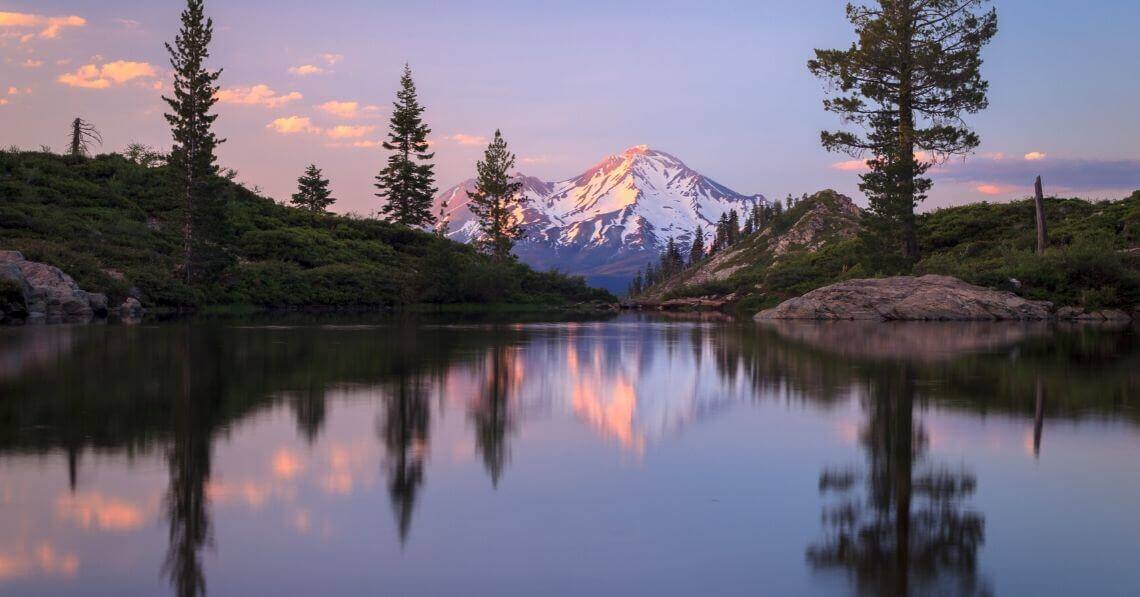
point(610, 220)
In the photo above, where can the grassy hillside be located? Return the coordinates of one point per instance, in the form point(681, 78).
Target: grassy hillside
point(1088, 262)
point(115, 226)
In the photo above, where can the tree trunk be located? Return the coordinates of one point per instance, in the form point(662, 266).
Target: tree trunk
point(1042, 233)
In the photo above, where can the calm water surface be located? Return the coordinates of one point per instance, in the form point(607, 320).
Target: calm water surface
point(627, 456)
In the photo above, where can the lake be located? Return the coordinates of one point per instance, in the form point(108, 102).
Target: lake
point(632, 455)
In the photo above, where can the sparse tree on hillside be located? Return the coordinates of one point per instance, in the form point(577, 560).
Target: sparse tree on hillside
point(313, 192)
point(407, 183)
point(83, 135)
point(637, 285)
point(192, 158)
point(697, 250)
point(907, 81)
point(144, 155)
point(495, 199)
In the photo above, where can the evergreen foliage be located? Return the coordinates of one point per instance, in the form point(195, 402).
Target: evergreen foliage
point(192, 160)
point(407, 183)
point(115, 225)
point(495, 199)
point(912, 74)
point(313, 192)
point(697, 249)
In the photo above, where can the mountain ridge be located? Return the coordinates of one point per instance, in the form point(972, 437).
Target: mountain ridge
point(611, 219)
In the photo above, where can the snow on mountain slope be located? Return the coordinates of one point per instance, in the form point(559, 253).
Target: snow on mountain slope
point(611, 219)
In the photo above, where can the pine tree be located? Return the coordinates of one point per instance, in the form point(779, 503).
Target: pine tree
point(495, 198)
point(697, 250)
point(313, 191)
point(407, 184)
point(636, 285)
point(192, 160)
point(912, 74)
point(83, 135)
point(733, 227)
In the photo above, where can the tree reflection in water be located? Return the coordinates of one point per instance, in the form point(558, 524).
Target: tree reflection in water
point(906, 528)
point(491, 411)
point(404, 431)
point(188, 458)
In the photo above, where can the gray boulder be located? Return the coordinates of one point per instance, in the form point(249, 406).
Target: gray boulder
point(49, 294)
point(907, 298)
point(131, 310)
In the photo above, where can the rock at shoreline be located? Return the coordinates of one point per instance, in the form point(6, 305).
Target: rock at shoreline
point(907, 298)
point(50, 296)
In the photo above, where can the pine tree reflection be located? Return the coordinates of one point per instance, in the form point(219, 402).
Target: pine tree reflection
point(404, 431)
point(908, 531)
point(491, 411)
point(188, 458)
point(309, 409)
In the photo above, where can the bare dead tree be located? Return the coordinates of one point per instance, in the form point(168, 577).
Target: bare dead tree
point(1042, 232)
point(83, 136)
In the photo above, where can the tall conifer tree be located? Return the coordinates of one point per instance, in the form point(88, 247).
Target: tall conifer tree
point(495, 198)
point(407, 183)
point(697, 249)
point(192, 158)
point(313, 192)
point(914, 70)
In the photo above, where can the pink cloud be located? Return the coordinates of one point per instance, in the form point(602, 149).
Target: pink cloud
point(30, 63)
point(850, 165)
point(344, 131)
point(995, 189)
point(91, 76)
point(463, 139)
point(331, 59)
point(291, 125)
point(348, 109)
point(257, 95)
point(49, 27)
point(1035, 156)
point(305, 70)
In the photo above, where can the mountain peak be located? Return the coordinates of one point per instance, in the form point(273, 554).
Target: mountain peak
point(637, 150)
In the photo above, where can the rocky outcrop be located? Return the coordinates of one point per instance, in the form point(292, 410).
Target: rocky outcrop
point(907, 298)
point(1079, 314)
point(926, 341)
point(822, 218)
point(49, 295)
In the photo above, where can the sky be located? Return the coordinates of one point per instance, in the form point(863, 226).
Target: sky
point(721, 84)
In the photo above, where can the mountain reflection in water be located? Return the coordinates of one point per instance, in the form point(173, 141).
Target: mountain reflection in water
point(902, 520)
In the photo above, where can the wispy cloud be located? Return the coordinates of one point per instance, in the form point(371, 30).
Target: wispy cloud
point(999, 174)
point(291, 125)
point(257, 95)
point(464, 139)
point(331, 59)
point(348, 109)
point(49, 27)
point(305, 70)
point(345, 131)
point(32, 63)
point(1067, 173)
point(850, 165)
point(995, 189)
point(92, 76)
